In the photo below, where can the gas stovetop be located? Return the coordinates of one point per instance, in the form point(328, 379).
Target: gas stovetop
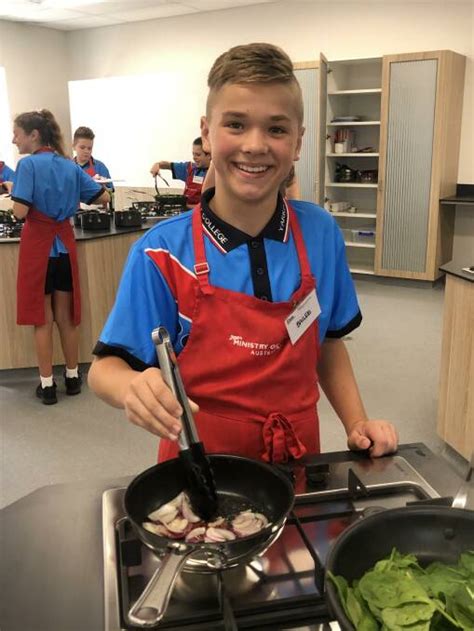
point(283, 588)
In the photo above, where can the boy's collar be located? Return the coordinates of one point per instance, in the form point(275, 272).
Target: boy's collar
point(85, 164)
point(227, 237)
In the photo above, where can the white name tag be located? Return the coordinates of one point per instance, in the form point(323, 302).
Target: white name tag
point(198, 179)
point(303, 316)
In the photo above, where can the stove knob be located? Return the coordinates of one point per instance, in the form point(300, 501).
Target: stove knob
point(317, 474)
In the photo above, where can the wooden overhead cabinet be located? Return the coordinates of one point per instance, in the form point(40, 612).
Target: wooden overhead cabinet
point(421, 110)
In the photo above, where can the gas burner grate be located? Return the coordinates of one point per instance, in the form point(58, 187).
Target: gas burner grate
point(284, 588)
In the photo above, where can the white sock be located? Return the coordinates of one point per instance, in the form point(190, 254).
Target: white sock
point(46, 382)
point(72, 372)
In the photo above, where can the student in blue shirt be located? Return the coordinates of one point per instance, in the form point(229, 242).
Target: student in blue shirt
point(254, 289)
point(6, 178)
point(192, 173)
point(47, 190)
point(83, 143)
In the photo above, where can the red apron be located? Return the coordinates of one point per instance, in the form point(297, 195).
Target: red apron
point(90, 167)
point(192, 190)
point(37, 236)
point(257, 391)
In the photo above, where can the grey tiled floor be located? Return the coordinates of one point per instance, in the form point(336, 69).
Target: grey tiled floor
point(395, 353)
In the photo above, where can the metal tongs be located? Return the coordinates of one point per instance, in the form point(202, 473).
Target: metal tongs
point(200, 483)
point(156, 185)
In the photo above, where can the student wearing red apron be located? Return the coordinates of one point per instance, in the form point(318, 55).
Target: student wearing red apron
point(255, 291)
point(46, 192)
point(192, 173)
point(83, 144)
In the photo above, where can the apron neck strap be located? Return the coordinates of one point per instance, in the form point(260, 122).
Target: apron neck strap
point(299, 241)
point(201, 266)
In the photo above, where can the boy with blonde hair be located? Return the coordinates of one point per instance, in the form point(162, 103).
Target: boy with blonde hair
point(256, 294)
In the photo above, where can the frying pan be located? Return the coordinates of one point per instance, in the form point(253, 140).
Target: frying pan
point(431, 533)
point(241, 484)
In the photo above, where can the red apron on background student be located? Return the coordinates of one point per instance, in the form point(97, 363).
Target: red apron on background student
point(276, 420)
point(193, 185)
point(37, 238)
point(193, 177)
point(47, 230)
point(89, 167)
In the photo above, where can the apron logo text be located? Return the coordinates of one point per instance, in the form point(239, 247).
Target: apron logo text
point(256, 348)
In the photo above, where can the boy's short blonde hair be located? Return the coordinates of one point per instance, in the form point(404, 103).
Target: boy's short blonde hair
point(254, 63)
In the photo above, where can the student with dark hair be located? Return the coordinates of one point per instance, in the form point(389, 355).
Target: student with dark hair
point(47, 189)
point(6, 178)
point(192, 173)
point(83, 143)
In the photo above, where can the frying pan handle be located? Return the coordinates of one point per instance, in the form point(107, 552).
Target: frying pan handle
point(151, 606)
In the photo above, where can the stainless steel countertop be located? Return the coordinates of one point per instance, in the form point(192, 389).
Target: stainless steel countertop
point(51, 556)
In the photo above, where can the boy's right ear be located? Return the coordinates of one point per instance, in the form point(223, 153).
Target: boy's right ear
point(206, 146)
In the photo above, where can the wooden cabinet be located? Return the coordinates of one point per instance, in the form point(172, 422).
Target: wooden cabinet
point(391, 125)
point(419, 152)
point(456, 390)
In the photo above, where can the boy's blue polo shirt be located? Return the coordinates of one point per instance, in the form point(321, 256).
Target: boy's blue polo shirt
point(100, 169)
point(155, 285)
point(6, 174)
point(179, 170)
point(54, 185)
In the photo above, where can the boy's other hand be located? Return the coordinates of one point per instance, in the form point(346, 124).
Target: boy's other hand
point(150, 404)
point(155, 169)
point(378, 436)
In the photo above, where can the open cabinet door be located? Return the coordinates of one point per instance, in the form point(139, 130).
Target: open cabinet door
point(322, 129)
point(307, 73)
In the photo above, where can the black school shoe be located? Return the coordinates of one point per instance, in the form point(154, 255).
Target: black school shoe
point(73, 384)
point(48, 394)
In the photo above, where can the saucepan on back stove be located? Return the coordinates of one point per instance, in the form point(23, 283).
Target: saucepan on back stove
point(431, 533)
point(241, 483)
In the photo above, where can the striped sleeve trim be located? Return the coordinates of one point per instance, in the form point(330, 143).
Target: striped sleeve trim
point(350, 326)
point(96, 196)
point(22, 201)
point(106, 350)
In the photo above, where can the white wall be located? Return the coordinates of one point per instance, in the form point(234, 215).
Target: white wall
point(138, 120)
point(189, 44)
point(40, 61)
point(36, 66)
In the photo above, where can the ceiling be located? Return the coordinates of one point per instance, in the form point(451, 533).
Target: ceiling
point(70, 15)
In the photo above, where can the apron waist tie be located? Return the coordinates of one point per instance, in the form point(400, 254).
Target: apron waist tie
point(280, 439)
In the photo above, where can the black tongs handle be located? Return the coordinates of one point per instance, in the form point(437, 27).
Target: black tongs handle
point(156, 183)
point(172, 377)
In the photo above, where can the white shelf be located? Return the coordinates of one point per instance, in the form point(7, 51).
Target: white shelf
point(354, 244)
point(353, 123)
point(361, 270)
point(352, 154)
point(366, 91)
point(354, 215)
point(353, 185)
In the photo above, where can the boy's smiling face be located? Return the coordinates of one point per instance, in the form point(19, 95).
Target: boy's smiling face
point(254, 135)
